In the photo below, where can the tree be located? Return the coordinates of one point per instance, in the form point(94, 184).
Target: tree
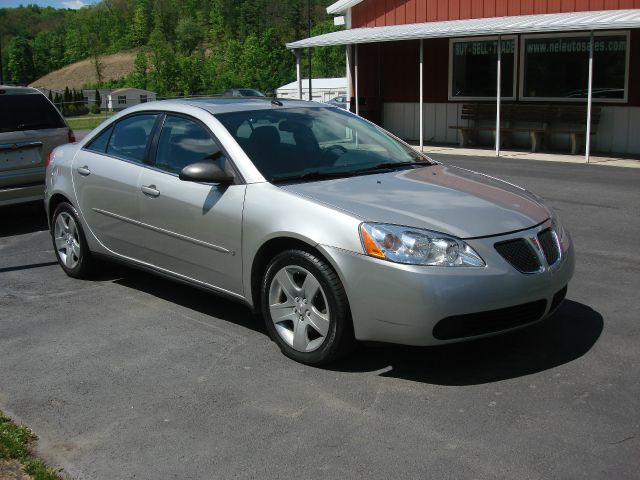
point(20, 61)
point(140, 25)
point(140, 70)
point(97, 102)
point(216, 23)
point(328, 61)
point(188, 35)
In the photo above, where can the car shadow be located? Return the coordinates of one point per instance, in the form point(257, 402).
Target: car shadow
point(205, 302)
point(21, 219)
point(560, 339)
point(566, 336)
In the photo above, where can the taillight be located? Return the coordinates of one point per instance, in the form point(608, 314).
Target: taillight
point(49, 157)
point(71, 136)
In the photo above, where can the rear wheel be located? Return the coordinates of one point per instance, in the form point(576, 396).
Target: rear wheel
point(305, 308)
point(69, 242)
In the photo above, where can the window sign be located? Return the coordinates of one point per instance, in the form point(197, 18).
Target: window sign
point(557, 67)
point(474, 68)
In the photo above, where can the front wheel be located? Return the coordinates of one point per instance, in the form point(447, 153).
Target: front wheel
point(305, 308)
point(69, 242)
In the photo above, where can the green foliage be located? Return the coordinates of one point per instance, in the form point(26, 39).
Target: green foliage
point(39, 470)
point(327, 62)
point(185, 46)
point(138, 78)
point(14, 445)
point(20, 60)
point(14, 439)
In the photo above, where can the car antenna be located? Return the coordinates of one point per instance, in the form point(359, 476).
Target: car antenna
point(275, 101)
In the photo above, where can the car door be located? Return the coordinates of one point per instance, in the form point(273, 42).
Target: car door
point(106, 178)
point(194, 229)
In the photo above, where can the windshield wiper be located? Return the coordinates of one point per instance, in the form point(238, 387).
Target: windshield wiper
point(314, 175)
point(318, 175)
point(393, 166)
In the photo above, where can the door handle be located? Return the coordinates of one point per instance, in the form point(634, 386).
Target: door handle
point(84, 171)
point(150, 190)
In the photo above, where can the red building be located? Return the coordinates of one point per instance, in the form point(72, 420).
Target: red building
point(545, 52)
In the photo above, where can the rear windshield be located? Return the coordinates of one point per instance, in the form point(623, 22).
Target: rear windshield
point(28, 112)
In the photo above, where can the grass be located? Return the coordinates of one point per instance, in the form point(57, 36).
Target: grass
point(88, 122)
point(15, 444)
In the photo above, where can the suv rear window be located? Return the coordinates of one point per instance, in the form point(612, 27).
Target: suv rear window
point(31, 111)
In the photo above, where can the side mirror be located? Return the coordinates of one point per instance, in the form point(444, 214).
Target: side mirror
point(205, 171)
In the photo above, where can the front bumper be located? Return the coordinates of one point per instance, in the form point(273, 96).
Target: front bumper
point(402, 304)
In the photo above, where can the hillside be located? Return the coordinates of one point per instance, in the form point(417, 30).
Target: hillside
point(187, 46)
point(77, 74)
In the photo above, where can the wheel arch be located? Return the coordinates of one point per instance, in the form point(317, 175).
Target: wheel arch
point(55, 200)
point(273, 247)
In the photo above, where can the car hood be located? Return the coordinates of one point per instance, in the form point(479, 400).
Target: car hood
point(442, 198)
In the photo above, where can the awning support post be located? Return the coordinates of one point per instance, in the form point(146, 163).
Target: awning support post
point(298, 73)
point(421, 94)
point(589, 101)
point(356, 82)
point(498, 95)
point(349, 75)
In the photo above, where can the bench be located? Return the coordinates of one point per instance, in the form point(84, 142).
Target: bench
point(572, 120)
point(538, 120)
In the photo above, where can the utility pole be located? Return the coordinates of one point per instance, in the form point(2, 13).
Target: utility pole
point(1, 77)
point(309, 49)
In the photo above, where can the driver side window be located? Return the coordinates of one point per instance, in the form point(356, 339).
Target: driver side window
point(183, 142)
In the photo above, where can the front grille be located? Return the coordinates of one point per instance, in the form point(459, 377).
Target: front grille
point(549, 246)
point(558, 298)
point(520, 254)
point(481, 323)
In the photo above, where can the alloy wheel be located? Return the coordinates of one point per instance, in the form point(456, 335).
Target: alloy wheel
point(67, 240)
point(299, 308)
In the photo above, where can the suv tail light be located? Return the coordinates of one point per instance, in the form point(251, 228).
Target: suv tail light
point(71, 136)
point(49, 157)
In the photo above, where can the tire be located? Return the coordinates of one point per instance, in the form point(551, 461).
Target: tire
point(305, 308)
point(69, 242)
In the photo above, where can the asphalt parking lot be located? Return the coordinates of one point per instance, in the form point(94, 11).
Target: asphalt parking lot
point(132, 376)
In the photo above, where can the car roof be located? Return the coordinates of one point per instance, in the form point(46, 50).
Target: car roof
point(217, 105)
point(11, 90)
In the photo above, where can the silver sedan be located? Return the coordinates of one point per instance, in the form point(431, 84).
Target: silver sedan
point(332, 228)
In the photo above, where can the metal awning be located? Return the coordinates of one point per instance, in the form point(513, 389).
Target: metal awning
point(341, 6)
point(551, 22)
point(554, 22)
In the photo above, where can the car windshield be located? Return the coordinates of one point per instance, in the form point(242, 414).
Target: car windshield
point(316, 142)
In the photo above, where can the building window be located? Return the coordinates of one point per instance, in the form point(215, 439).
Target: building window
point(473, 68)
point(557, 67)
point(143, 99)
point(122, 99)
point(86, 100)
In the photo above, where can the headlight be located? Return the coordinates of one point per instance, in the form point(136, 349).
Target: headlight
point(416, 247)
point(563, 236)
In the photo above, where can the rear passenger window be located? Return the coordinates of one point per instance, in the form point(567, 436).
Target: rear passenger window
point(130, 136)
point(183, 142)
point(99, 143)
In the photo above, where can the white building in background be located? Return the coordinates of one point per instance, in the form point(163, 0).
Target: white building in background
point(322, 89)
point(90, 96)
point(126, 97)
